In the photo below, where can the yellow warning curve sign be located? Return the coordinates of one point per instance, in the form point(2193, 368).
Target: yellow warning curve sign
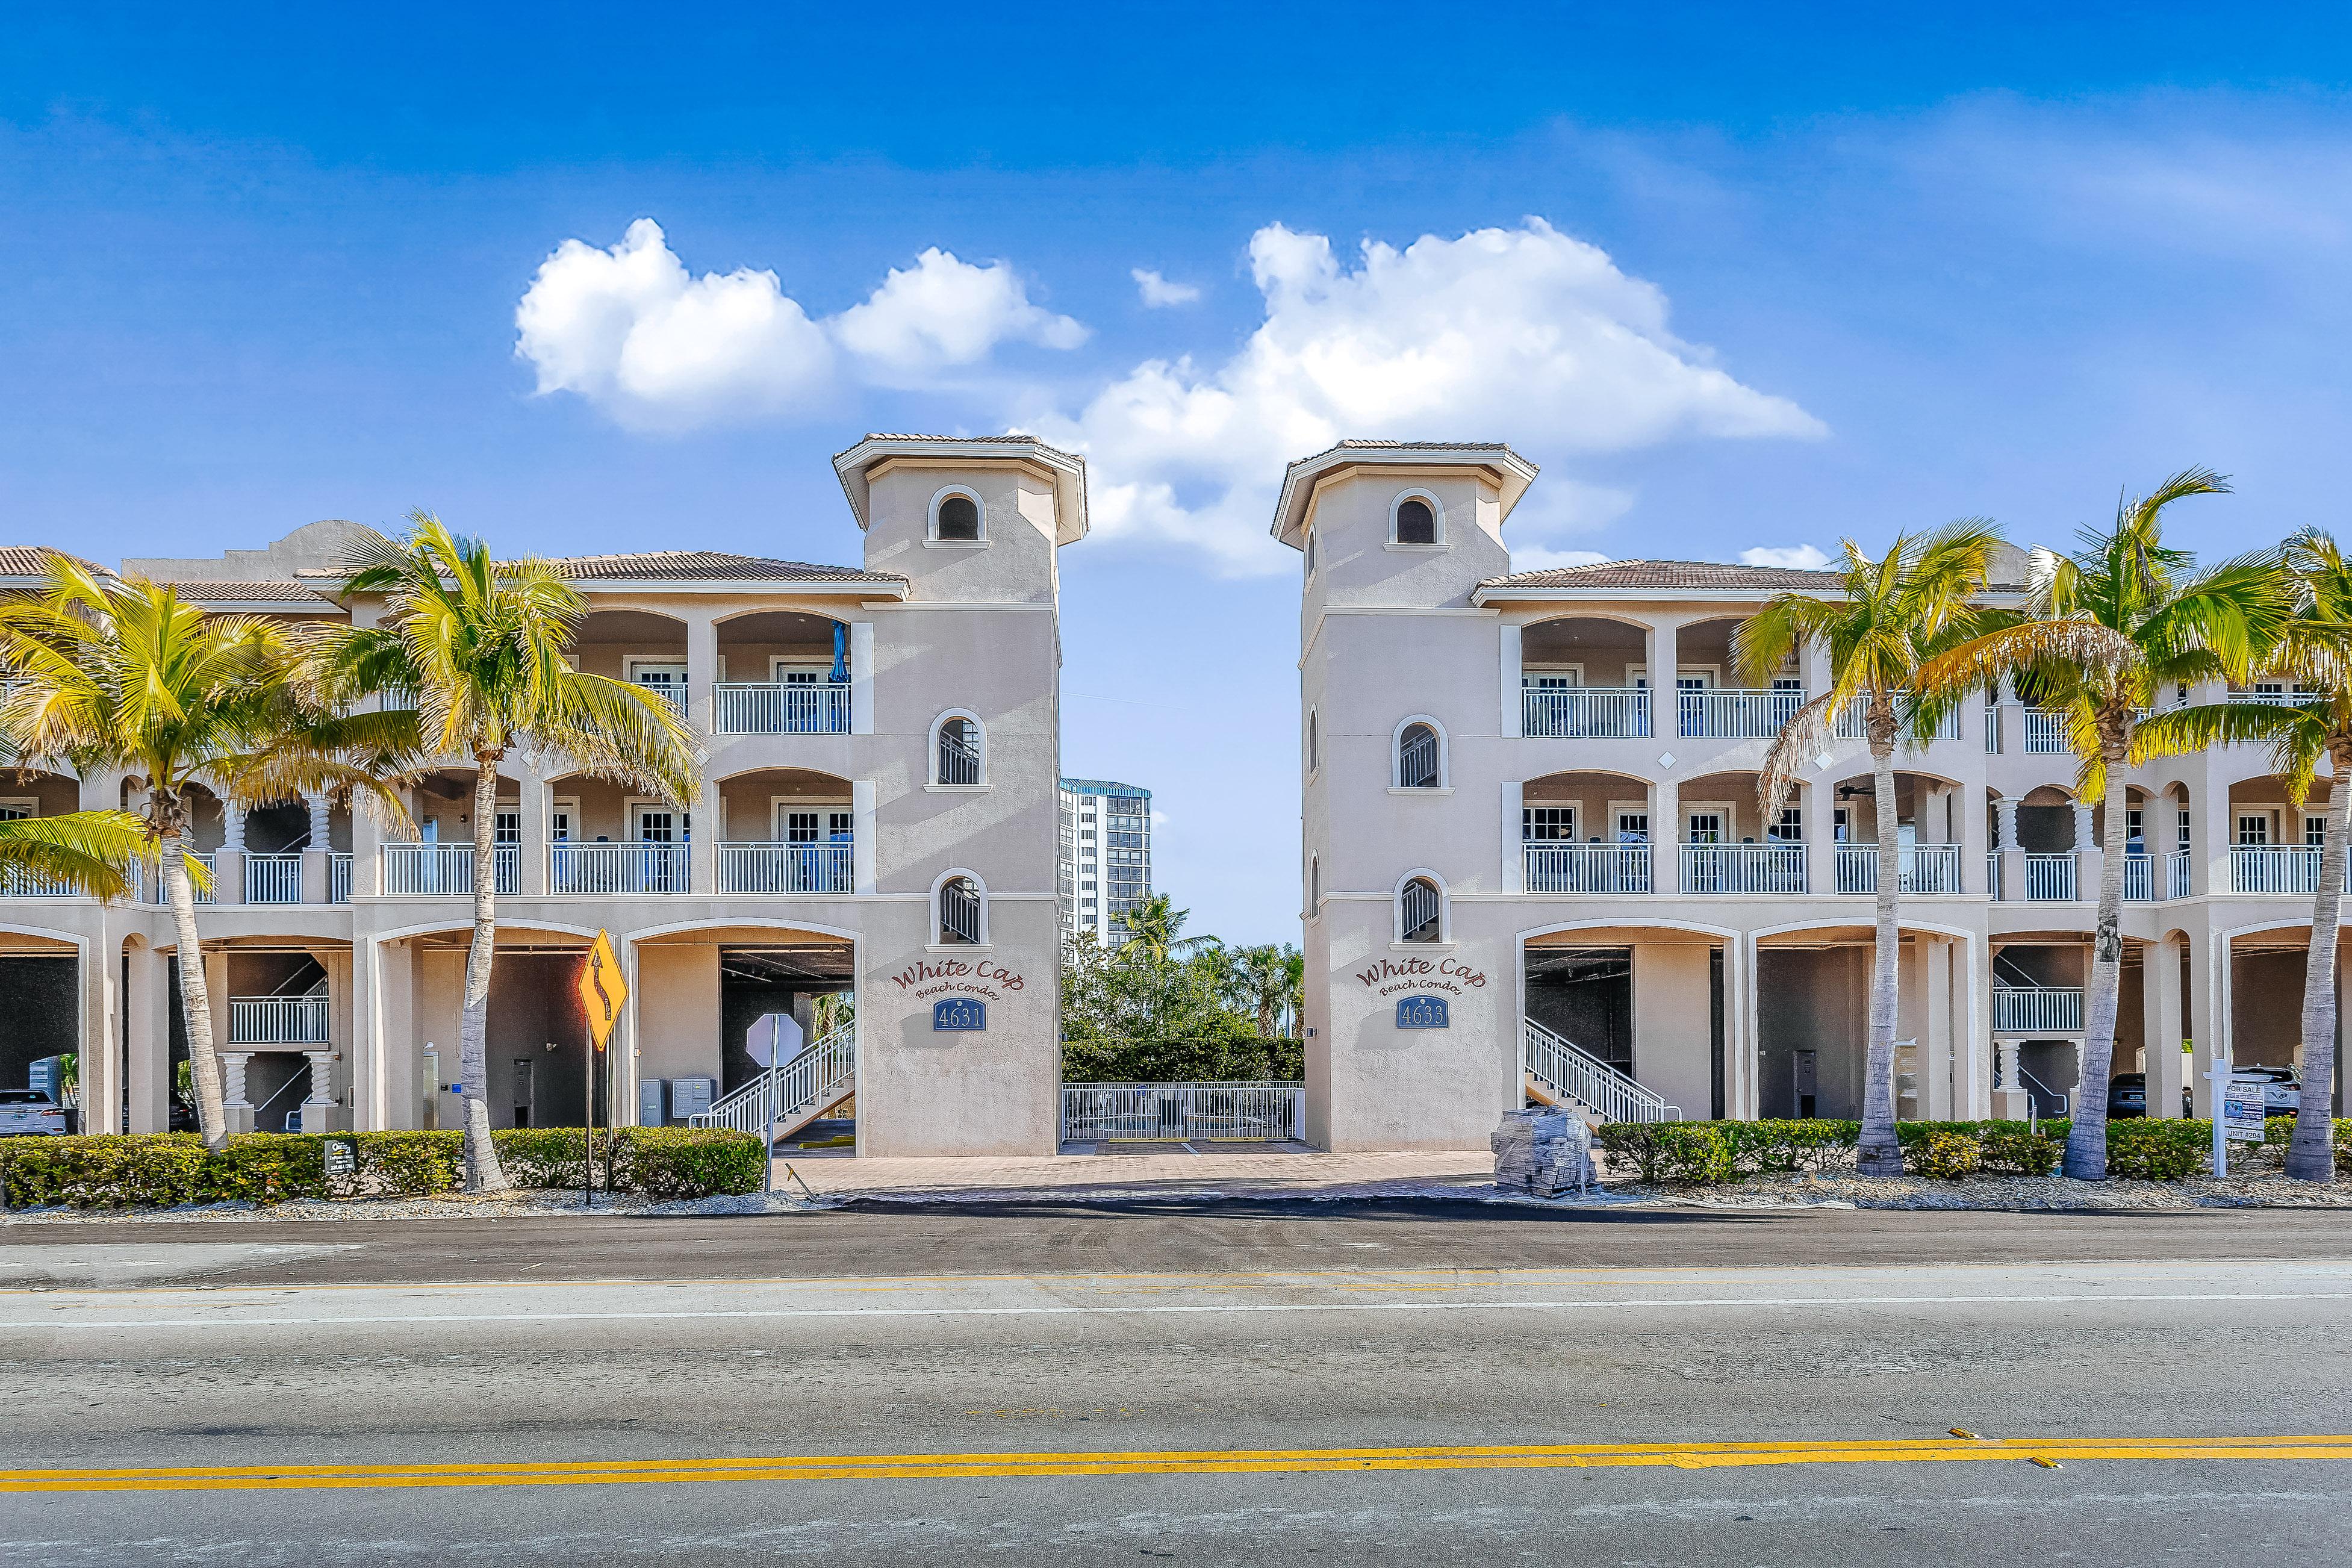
point(601, 989)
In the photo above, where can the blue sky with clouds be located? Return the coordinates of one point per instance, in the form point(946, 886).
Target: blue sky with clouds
point(606, 277)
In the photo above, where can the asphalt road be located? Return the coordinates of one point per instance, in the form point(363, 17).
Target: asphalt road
point(1214, 1384)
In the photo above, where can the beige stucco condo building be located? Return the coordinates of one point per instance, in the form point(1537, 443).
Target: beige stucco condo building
point(1528, 874)
point(878, 817)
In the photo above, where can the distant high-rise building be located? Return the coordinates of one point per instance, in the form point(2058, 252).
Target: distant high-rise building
point(1105, 855)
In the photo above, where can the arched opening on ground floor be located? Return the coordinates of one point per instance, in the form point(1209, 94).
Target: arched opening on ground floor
point(762, 1012)
point(1647, 1001)
point(40, 985)
point(1812, 1023)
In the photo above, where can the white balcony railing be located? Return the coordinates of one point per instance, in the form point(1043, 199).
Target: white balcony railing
point(1992, 876)
point(1924, 867)
point(273, 879)
point(2176, 874)
point(339, 877)
point(785, 867)
point(1586, 868)
point(2276, 869)
point(598, 869)
point(2050, 878)
point(747, 708)
point(1992, 729)
point(17, 883)
point(2140, 878)
point(1743, 867)
point(2037, 1010)
point(2045, 731)
point(277, 1020)
point(441, 869)
point(1734, 714)
point(1851, 724)
point(671, 692)
point(150, 883)
point(1584, 712)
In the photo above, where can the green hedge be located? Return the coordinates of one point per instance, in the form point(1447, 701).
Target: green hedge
point(1240, 1060)
point(2143, 1149)
point(159, 1170)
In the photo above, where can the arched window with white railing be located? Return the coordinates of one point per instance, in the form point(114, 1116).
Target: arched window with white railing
point(1419, 755)
point(958, 911)
point(1422, 915)
point(959, 750)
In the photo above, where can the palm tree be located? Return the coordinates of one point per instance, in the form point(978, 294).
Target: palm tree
point(95, 851)
point(479, 646)
point(117, 674)
point(2315, 727)
point(1267, 980)
point(2105, 630)
point(1893, 614)
point(1152, 924)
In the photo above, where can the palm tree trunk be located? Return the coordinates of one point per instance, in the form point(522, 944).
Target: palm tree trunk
point(195, 996)
point(2311, 1157)
point(2086, 1138)
point(483, 1173)
point(1879, 1154)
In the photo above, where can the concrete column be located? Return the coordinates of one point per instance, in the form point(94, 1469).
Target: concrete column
point(1514, 831)
point(861, 678)
point(315, 853)
point(400, 1093)
point(1813, 667)
point(1511, 676)
point(357, 1017)
point(2005, 807)
point(530, 855)
point(702, 870)
point(2161, 1023)
point(2209, 841)
point(1935, 1069)
point(147, 1003)
point(1970, 803)
point(215, 963)
point(1814, 798)
point(2209, 1013)
point(367, 865)
point(1665, 836)
point(2090, 859)
point(701, 671)
point(228, 860)
point(2012, 718)
point(1972, 1030)
point(1664, 724)
point(864, 848)
point(239, 1109)
point(2008, 1098)
point(2012, 854)
point(320, 1111)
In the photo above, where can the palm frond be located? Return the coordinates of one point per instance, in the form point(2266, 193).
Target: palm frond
point(95, 851)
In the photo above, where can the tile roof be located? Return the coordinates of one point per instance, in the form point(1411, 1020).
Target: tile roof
point(1668, 574)
point(706, 566)
point(31, 560)
point(246, 593)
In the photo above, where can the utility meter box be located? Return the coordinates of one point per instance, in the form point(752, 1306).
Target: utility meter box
point(690, 1096)
point(649, 1103)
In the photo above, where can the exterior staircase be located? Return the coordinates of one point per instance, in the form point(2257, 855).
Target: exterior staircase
point(1562, 1075)
point(804, 1089)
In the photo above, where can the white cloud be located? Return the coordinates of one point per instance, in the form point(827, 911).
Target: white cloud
point(1159, 293)
point(1522, 334)
point(943, 311)
point(1797, 557)
point(631, 330)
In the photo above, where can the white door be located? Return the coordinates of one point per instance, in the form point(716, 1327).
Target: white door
point(667, 678)
point(1705, 827)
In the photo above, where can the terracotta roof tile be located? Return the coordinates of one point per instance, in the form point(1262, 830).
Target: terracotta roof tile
point(31, 560)
point(706, 566)
point(1653, 574)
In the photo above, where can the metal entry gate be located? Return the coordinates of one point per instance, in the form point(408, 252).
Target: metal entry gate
point(1182, 1112)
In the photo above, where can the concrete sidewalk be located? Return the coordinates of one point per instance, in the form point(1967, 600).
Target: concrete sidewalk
point(1231, 1174)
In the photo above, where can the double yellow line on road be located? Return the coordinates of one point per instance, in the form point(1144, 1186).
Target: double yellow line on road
point(1203, 1461)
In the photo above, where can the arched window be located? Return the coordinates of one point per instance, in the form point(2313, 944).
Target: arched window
point(1420, 755)
point(1420, 909)
point(1310, 554)
point(959, 912)
point(959, 752)
point(1314, 883)
point(1413, 518)
point(955, 517)
point(1313, 760)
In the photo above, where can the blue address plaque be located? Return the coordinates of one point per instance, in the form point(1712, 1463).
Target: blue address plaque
point(959, 1015)
point(1422, 1012)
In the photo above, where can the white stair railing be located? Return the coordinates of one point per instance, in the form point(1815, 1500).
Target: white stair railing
point(812, 1080)
point(1592, 1083)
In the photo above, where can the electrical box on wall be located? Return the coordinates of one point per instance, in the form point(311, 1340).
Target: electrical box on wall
point(650, 1102)
point(690, 1096)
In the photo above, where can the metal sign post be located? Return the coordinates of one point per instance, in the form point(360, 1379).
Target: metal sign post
point(603, 990)
point(2219, 1076)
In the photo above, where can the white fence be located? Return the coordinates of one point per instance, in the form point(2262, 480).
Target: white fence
point(440, 869)
point(2140, 878)
point(17, 883)
point(339, 877)
point(2045, 731)
point(1182, 1112)
point(2276, 869)
point(1729, 713)
point(1584, 712)
point(1852, 723)
point(273, 879)
point(606, 868)
point(1923, 867)
point(765, 708)
point(1743, 867)
point(1592, 1083)
point(2176, 874)
point(819, 1076)
point(1586, 868)
point(2050, 878)
point(277, 1020)
point(758, 867)
point(2037, 1010)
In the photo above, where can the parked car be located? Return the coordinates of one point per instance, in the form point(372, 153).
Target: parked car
point(28, 1111)
point(2126, 1094)
point(2281, 1090)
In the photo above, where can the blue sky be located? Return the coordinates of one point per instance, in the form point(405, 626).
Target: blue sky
point(1736, 280)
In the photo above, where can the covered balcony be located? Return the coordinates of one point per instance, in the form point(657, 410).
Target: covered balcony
point(1927, 826)
point(439, 863)
point(1585, 833)
point(31, 794)
point(603, 842)
point(2275, 844)
point(787, 832)
point(1706, 707)
point(781, 672)
point(640, 646)
point(1580, 678)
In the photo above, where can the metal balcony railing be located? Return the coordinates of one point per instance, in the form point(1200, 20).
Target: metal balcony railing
point(2276, 869)
point(277, 1020)
point(2037, 1010)
point(1552, 867)
point(273, 879)
point(1924, 867)
point(2177, 874)
point(607, 869)
point(671, 692)
point(339, 877)
point(17, 883)
point(2140, 878)
point(1992, 729)
point(1992, 876)
point(776, 707)
point(1584, 712)
point(1743, 867)
point(1735, 714)
point(150, 882)
point(1851, 724)
point(2045, 733)
point(2050, 878)
point(440, 869)
point(770, 867)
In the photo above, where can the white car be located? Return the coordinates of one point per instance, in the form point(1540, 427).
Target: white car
point(29, 1110)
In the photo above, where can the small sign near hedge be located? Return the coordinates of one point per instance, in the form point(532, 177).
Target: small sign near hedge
point(160, 1169)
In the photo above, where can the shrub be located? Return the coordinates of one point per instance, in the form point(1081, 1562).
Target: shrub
point(2159, 1148)
point(689, 1161)
point(1239, 1059)
point(2017, 1149)
point(1681, 1152)
point(1948, 1154)
point(1791, 1145)
point(410, 1165)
